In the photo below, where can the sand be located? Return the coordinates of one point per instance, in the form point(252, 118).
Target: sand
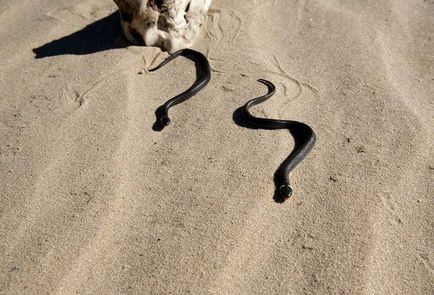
point(93, 201)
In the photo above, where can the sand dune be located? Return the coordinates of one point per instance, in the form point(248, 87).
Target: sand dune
point(93, 201)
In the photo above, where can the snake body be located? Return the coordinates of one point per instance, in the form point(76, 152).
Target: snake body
point(203, 72)
point(304, 135)
point(304, 140)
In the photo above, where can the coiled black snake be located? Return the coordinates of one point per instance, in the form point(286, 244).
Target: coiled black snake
point(203, 73)
point(303, 135)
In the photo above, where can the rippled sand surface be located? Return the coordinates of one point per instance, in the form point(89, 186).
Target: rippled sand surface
point(93, 201)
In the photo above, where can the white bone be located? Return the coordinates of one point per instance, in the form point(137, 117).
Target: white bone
point(163, 23)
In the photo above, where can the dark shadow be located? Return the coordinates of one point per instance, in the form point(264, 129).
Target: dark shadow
point(300, 137)
point(104, 34)
point(161, 120)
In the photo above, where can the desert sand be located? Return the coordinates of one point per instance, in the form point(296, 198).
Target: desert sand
point(93, 201)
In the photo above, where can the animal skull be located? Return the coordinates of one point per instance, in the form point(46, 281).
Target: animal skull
point(168, 24)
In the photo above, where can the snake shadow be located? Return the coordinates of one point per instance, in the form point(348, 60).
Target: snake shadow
point(103, 34)
point(299, 138)
point(159, 113)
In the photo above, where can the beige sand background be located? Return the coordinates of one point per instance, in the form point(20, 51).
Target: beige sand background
point(93, 201)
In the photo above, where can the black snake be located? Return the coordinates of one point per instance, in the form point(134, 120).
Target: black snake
point(303, 135)
point(203, 73)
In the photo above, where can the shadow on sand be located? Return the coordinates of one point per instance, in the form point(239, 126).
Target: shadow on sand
point(104, 34)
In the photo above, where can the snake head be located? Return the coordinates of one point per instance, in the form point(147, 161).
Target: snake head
point(164, 120)
point(282, 193)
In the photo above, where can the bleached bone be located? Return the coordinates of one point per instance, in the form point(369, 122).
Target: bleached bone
point(168, 24)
